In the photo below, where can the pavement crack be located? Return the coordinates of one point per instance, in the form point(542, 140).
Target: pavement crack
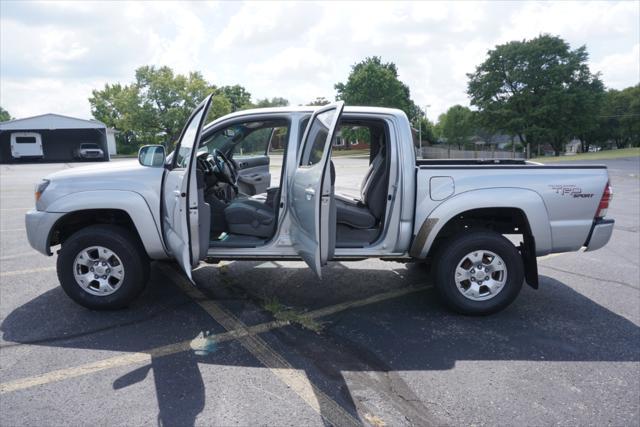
point(591, 277)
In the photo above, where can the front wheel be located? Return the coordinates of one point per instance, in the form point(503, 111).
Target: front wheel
point(478, 273)
point(102, 267)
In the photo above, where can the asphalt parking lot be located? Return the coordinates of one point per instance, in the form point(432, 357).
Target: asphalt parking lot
point(266, 343)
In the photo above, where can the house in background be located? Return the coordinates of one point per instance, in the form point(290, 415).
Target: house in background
point(54, 138)
point(573, 147)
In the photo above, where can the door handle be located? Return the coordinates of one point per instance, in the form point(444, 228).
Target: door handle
point(309, 193)
point(177, 193)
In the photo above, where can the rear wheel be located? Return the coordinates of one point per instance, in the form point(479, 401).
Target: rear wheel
point(478, 273)
point(102, 267)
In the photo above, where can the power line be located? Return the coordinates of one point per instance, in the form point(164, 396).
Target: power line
point(622, 115)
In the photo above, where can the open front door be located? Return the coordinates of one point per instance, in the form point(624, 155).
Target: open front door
point(311, 200)
point(180, 216)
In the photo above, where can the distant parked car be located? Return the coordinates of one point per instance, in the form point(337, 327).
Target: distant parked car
point(88, 151)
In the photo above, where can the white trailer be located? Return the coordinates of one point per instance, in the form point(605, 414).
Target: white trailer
point(26, 144)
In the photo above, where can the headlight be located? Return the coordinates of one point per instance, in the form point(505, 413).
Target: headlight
point(40, 187)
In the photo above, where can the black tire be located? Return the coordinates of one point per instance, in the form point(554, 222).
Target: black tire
point(453, 252)
point(125, 246)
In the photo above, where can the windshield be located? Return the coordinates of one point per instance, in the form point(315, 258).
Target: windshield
point(246, 138)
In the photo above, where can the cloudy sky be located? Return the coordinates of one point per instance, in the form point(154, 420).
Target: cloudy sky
point(53, 54)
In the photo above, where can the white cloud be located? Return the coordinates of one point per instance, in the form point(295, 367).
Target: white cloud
point(30, 97)
point(618, 67)
point(53, 54)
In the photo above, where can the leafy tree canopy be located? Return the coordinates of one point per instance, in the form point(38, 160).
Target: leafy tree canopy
point(155, 107)
point(619, 119)
point(374, 83)
point(538, 89)
point(457, 125)
point(320, 100)
point(273, 102)
point(238, 96)
point(4, 115)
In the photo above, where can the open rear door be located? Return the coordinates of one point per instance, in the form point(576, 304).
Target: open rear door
point(180, 214)
point(311, 192)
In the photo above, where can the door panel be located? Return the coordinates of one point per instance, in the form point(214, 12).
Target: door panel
point(311, 190)
point(254, 176)
point(181, 226)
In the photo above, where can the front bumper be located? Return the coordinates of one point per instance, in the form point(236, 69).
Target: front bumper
point(91, 154)
point(600, 234)
point(39, 225)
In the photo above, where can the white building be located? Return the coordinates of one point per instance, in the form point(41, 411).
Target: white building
point(57, 137)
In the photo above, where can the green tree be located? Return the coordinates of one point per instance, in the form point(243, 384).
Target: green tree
point(273, 102)
point(220, 106)
point(427, 129)
point(351, 134)
point(374, 83)
point(118, 107)
point(4, 115)
point(457, 125)
point(619, 119)
point(538, 89)
point(238, 96)
point(155, 107)
point(319, 101)
point(167, 99)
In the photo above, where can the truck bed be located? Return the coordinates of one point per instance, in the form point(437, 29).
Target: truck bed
point(560, 201)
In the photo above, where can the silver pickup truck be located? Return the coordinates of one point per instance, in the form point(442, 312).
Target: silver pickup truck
point(211, 200)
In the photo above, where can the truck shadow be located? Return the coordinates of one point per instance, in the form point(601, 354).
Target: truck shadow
point(370, 343)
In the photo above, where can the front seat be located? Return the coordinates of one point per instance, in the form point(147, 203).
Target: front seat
point(366, 212)
point(252, 216)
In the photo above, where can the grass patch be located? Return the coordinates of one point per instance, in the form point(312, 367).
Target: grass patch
point(286, 314)
point(600, 155)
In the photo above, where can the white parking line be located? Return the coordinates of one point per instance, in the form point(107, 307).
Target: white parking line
point(29, 271)
point(279, 366)
point(295, 379)
point(20, 255)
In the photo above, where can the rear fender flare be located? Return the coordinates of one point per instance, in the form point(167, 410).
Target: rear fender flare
point(526, 200)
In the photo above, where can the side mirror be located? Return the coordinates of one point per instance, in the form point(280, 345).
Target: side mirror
point(152, 156)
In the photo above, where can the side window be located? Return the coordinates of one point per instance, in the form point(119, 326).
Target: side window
point(303, 127)
point(351, 136)
point(25, 140)
point(279, 139)
point(315, 142)
point(255, 144)
point(188, 140)
point(249, 139)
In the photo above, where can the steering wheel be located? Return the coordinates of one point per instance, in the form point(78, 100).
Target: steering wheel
point(225, 168)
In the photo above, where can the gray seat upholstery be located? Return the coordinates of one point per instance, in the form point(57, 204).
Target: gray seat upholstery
point(353, 213)
point(250, 217)
point(366, 213)
point(253, 216)
point(256, 216)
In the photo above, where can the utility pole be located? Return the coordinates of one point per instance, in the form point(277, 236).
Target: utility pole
point(420, 127)
point(420, 135)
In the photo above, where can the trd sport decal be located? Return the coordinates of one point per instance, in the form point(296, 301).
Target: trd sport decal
point(571, 190)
